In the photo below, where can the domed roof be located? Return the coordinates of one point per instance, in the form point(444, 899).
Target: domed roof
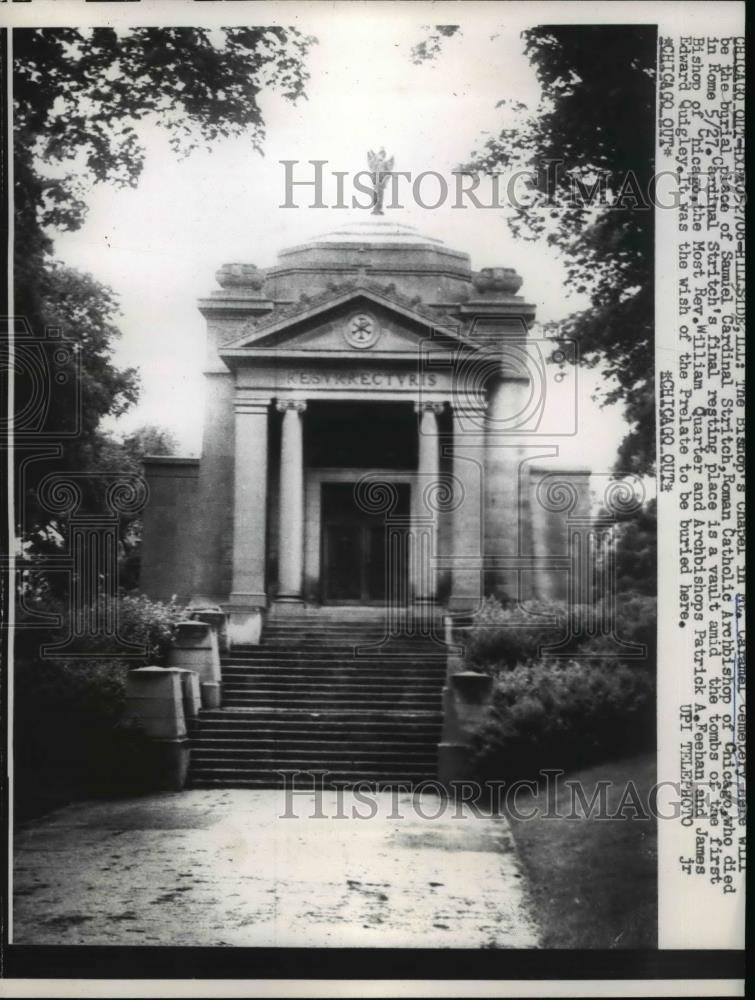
point(376, 229)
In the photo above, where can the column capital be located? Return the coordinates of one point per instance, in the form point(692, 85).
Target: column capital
point(424, 406)
point(299, 405)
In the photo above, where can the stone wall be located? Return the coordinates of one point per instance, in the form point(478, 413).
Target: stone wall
point(168, 537)
point(554, 496)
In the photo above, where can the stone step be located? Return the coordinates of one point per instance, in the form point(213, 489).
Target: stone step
point(401, 664)
point(308, 700)
point(346, 637)
point(378, 685)
point(320, 733)
point(300, 673)
point(295, 717)
point(271, 780)
point(345, 650)
point(280, 756)
point(318, 689)
point(313, 742)
point(317, 744)
point(231, 777)
point(347, 706)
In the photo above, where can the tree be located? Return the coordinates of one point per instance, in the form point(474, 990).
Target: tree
point(429, 47)
point(637, 551)
point(128, 455)
point(79, 94)
point(150, 440)
point(78, 98)
point(594, 125)
point(91, 387)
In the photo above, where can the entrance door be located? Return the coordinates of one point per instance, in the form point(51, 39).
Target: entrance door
point(356, 565)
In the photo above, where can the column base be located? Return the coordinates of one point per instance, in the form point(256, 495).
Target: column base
point(285, 605)
point(245, 618)
point(465, 603)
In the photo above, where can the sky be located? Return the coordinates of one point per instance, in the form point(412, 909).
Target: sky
point(159, 244)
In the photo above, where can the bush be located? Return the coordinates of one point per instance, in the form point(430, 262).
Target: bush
point(149, 623)
point(502, 638)
point(69, 739)
point(505, 637)
point(142, 622)
point(556, 714)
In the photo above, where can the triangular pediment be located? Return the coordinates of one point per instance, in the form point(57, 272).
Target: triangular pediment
point(356, 322)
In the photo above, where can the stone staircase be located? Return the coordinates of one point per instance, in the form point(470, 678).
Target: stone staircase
point(323, 694)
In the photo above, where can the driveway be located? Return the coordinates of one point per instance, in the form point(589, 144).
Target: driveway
point(226, 867)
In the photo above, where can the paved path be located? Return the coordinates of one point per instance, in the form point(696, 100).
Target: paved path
point(222, 868)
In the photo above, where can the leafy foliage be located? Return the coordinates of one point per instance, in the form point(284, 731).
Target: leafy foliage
point(84, 311)
point(69, 739)
point(637, 551)
point(595, 120)
point(141, 620)
point(432, 44)
point(550, 712)
point(565, 715)
point(149, 439)
point(80, 97)
point(503, 638)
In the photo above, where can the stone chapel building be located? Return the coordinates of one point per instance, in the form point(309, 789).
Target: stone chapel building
point(370, 440)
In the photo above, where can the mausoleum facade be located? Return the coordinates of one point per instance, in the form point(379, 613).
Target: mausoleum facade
point(371, 423)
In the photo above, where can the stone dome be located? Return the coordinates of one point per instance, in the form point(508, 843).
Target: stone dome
point(376, 229)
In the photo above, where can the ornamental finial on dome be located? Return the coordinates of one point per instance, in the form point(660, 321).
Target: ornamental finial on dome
point(380, 168)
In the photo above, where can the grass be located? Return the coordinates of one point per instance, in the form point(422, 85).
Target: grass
point(593, 883)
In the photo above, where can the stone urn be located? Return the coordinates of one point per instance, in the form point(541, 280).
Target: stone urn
point(240, 276)
point(497, 281)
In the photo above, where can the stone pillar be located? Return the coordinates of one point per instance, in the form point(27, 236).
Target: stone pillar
point(196, 648)
point(155, 702)
point(291, 520)
point(192, 697)
point(217, 618)
point(467, 697)
point(249, 595)
point(426, 503)
point(468, 521)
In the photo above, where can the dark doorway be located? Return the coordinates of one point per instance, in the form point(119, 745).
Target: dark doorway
point(353, 435)
point(356, 567)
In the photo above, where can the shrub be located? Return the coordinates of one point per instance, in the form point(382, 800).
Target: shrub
point(141, 621)
point(68, 734)
point(149, 623)
point(565, 714)
point(506, 637)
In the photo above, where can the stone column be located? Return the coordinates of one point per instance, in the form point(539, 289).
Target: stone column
point(426, 502)
point(249, 520)
point(291, 521)
point(468, 521)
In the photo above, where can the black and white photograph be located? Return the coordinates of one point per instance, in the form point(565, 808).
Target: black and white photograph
point(360, 410)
